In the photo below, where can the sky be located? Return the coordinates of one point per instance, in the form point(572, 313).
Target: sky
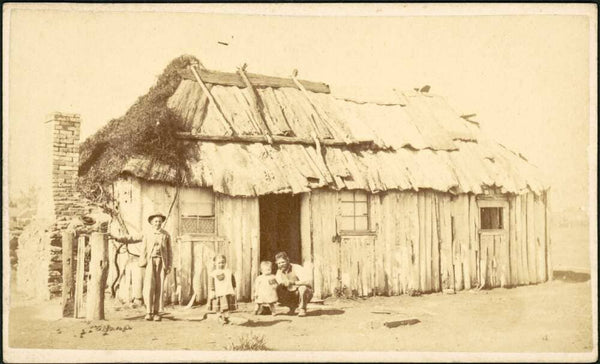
point(527, 77)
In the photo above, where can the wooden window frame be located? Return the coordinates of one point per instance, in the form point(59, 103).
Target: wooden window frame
point(369, 230)
point(495, 202)
point(203, 235)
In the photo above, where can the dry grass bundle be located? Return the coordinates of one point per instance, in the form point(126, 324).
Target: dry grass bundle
point(148, 128)
point(248, 342)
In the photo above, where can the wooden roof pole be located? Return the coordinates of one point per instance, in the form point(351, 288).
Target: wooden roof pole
point(228, 127)
point(277, 139)
point(326, 122)
point(263, 128)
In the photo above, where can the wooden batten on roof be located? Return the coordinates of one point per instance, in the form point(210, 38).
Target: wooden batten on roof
point(276, 139)
point(234, 79)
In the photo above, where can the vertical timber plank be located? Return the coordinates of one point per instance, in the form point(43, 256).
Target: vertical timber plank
point(317, 242)
point(549, 267)
point(521, 235)
point(99, 274)
point(185, 269)
point(531, 244)
point(540, 239)
point(513, 265)
point(412, 237)
point(422, 250)
point(473, 245)
point(435, 246)
point(80, 277)
point(196, 269)
point(387, 232)
point(447, 271)
point(428, 242)
point(68, 290)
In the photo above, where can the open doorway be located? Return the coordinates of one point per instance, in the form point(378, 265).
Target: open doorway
point(280, 226)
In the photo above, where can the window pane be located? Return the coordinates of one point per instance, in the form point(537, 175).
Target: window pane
point(347, 196)
point(347, 209)
point(347, 223)
point(197, 225)
point(360, 196)
point(491, 218)
point(362, 223)
point(206, 225)
point(361, 208)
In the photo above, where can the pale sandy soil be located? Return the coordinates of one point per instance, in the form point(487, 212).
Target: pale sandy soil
point(551, 317)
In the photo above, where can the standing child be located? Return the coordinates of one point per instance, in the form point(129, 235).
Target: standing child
point(222, 288)
point(265, 289)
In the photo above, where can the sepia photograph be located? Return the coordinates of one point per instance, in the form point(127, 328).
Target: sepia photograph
point(299, 182)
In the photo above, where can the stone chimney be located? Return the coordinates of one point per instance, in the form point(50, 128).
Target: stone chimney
point(62, 140)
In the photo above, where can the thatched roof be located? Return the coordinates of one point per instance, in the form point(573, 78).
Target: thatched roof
point(251, 135)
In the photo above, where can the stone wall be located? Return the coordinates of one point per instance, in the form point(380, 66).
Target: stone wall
point(35, 253)
point(39, 271)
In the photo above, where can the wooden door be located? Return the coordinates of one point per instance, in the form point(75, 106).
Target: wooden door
point(357, 265)
point(493, 264)
point(195, 263)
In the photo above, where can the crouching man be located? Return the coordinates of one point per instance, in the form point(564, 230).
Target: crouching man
point(294, 287)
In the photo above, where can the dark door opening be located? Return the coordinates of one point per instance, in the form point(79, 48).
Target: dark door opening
point(280, 226)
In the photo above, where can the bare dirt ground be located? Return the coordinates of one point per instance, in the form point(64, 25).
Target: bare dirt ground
point(551, 317)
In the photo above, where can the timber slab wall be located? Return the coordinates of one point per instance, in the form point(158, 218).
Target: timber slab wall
point(419, 242)
point(427, 242)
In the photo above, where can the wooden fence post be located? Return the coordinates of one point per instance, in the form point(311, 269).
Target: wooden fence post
point(79, 276)
point(98, 276)
point(67, 273)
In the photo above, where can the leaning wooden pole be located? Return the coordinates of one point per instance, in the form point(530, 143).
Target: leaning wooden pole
point(98, 276)
point(68, 291)
point(226, 123)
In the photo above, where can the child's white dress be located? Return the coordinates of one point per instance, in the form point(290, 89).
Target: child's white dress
point(265, 288)
point(222, 282)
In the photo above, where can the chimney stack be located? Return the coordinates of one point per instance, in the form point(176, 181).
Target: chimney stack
point(62, 134)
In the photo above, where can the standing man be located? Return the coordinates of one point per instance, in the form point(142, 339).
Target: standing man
point(156, 256)
point(294, 284)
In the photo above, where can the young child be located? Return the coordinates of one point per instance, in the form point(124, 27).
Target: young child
point(222, 288)
point(265, 289)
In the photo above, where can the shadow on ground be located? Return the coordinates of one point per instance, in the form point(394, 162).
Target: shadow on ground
point(570, 276)
point(328, 312)
point(263, 323)
point(164, 316)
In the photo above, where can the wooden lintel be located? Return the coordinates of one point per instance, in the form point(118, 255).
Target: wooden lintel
point(233, 79)
point(277, 139)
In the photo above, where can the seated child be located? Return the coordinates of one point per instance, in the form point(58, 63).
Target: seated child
point(265, 289)
point(221, 289)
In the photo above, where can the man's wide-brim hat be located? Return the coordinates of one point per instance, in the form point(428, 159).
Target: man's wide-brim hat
point(158, 214)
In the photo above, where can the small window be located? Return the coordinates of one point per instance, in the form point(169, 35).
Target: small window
point(355, 211)
point(491, 218)
point(197, 210)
